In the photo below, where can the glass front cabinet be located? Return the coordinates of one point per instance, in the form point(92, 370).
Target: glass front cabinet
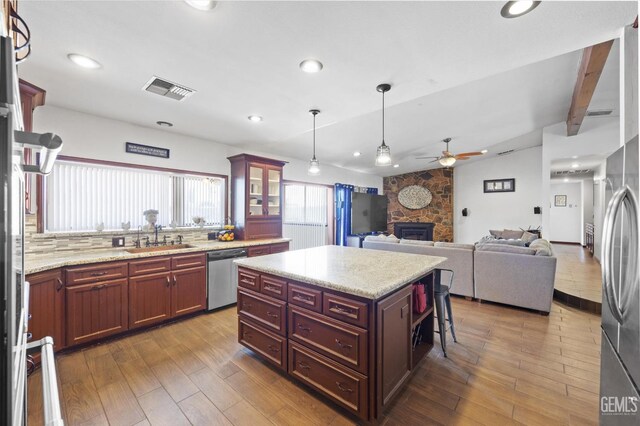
point(256, 196)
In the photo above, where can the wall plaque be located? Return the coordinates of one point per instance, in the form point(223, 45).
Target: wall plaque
point(414, 197)
point(152, 151)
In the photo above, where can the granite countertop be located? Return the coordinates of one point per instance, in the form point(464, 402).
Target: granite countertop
point(43, 262)
point(368, 273)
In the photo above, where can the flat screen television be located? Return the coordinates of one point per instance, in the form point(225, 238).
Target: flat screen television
point(368, 213)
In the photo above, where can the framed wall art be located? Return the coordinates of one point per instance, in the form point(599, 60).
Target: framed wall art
point(560, 201)
point(500, 185)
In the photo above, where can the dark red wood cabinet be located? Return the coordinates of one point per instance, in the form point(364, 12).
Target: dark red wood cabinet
point(46, 307)
point(149, 299)
point(189, 291)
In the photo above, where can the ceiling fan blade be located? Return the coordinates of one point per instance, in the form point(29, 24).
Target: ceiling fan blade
point(461, 158)
point(437, 159)
point(425, 158)
point(469, 154)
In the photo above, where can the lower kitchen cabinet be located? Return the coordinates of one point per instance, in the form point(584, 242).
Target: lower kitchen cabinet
point(149, 299)
point(96, 310)
point(189, 291)
point(46, 306)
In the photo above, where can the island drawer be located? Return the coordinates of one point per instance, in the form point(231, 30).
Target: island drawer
point(188, 261)
point(269, 345)
point(95, 273)
point(268, 312)
point(258, 251)
point(279, 247)
point(248, 279)
point(305, 297)
point(341, 342)
point(274, 287)
point(347, 310)
point(347, 388)
point(150, 266)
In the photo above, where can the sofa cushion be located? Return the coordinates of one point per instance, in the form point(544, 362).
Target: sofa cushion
point(528, 237)
point(454, 245)
point(505, 248)
point(542, 247)
point(512, 234)
point(495, 233)
point(417, 242)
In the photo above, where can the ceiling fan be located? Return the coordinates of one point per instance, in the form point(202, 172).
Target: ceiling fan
point(447, 159)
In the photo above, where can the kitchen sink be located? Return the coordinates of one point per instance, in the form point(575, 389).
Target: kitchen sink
point(158, 248)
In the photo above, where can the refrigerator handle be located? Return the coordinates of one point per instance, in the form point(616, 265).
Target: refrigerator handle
point(622, 196)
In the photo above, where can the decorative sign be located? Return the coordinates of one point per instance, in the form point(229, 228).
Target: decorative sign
point(500, 185)
point(152, 151)
point(414, 197)
point(560, 201)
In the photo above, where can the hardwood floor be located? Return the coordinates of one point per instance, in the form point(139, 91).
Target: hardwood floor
point(578, 273)
point(509, 366)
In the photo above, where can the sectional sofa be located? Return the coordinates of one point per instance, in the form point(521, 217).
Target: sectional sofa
point(489, 270)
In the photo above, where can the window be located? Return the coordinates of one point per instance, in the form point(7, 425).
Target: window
point(79, 196)
point(306, 215)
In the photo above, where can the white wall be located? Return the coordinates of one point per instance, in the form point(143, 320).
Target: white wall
point(512, 210)
point(566, 222)
point(90, 136)
point(598, 136)
point(599, 207)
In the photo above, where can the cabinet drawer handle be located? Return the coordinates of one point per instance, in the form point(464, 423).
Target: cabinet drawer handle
point(99, 274)
point(343, 345)
point(304, 365)
point(246, 305)
point(304, 328)
point(248, 281)
point(247, 335)
point(272, 288)
point(272, 315)
point(59, 287)
point(344, 388)
point(274, 348)
point(345, 311)
point(99, 287)
point(303, 298)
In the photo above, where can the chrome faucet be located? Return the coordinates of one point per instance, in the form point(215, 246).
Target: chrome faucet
point(136, 243)
point(179, 239)
point(156, 228)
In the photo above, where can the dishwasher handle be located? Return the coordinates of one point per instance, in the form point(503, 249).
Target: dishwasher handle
point(212, 256)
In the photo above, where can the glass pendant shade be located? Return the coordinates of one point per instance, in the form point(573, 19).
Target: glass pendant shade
point(314, 167)
point(383, 155)
point(447, 161)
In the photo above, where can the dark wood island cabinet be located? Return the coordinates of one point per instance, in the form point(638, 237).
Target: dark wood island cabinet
point(352, 341)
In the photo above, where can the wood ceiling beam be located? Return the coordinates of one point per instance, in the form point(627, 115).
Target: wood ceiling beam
point(591, 66)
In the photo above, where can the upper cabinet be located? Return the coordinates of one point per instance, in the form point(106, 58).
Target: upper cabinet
point(256, 196)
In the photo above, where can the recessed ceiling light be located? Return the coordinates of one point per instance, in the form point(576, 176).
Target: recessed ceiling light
point(84, 61)
point(566, 179)
point(574, 156)
point(396, 165)
point(356, 154)
point(515, 9)
point(484, 151)
point(164, 123)
point(201, 4)
point(311, 65)
point(255, 118)
point(575, 165)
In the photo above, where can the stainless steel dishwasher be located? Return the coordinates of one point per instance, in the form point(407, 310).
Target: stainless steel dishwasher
point(222, 277)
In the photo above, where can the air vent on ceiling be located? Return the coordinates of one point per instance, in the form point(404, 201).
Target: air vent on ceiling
point(168, 89)
point(570, 172)
point(598, 112)
point(506, 152)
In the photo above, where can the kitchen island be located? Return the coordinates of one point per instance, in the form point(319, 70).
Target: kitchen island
point(339, 319)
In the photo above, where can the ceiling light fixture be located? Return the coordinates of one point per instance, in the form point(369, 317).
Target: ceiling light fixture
point(447, 161)
point(396, 165)
point(574, 156)
point(164, 123)
point(484, 151)
point(255, 118)
point(356, 154)
point(314, 164)
point(566, 179)
point(575, 165)
point(84, 61)
point(515, 9)
point(202, 4)
point(383, 154)
point(311, 65)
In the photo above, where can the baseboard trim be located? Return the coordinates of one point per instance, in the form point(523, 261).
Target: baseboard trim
point(566, 242)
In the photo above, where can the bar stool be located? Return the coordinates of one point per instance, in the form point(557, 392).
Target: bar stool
point(442, 300)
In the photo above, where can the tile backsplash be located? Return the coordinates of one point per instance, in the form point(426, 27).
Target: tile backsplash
point(36, 243)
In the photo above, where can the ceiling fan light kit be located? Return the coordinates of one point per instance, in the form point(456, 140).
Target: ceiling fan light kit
point(383, 153)
point(314, 164)
point(447, 159)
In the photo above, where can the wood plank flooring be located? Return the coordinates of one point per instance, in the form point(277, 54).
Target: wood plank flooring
point(510, 366)
point(578, 273)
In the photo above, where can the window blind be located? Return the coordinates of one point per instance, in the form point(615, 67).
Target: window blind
point(305, 215)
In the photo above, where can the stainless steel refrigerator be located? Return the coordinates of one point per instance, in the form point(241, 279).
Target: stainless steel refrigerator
point(620, 359)
point(14, 290)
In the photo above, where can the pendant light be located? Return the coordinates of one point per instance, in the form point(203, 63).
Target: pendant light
point(314, 164)
point(383, 154)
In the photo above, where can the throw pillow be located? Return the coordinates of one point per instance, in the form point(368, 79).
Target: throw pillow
point(454, 245)
point(511, 234)
point(495, 233)
point(505, 248)
point(528, 237)
point(417, 242)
